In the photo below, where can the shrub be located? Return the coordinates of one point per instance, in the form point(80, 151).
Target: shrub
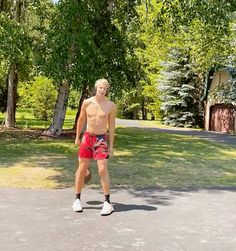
point(40, 95)
point(73, 99)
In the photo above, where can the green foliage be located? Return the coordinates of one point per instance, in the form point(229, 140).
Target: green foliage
point(17, 26)
point(38, 15)
point(73, 99)
point(129, 106)
point(178, 85)
point(204, 29)
point(83, 44)
point(183, 12)
point(151, 48)
point(25, 93)
point(202, 26)
point(81, 41)
point(15, 46)
point(224, 93)
point(40, 95)
point(153, 104)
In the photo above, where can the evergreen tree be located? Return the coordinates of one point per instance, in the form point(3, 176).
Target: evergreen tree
point(179, 91)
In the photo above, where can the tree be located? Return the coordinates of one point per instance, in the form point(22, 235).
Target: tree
point(15, 50)
point(130, 105)
point(178, 87)
point(151, 50)
point(153, 103)
point(83, 45)
point(11, 24)
point(165, 25)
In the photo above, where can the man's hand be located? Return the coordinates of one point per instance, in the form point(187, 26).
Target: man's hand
point(77, 141)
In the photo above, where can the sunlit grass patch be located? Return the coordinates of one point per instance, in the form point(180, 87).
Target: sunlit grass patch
point(119, 153)
point(26, 120)
point(169, 160)
point(228, 154)
point(24, 175)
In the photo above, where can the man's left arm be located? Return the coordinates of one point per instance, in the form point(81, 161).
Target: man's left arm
point(111, 127)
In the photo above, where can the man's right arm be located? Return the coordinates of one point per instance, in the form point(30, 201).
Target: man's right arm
point(81, 121)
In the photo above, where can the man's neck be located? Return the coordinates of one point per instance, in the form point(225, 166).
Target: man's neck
point(99, 98)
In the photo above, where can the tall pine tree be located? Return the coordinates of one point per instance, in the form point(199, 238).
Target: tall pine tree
point(179, 91)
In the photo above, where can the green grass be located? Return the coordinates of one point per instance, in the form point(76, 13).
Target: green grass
point(143, 158)
point(152, 158)
point(25, 119)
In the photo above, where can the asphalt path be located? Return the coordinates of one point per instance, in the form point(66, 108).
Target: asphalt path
point(144, 219)
point(217, 137)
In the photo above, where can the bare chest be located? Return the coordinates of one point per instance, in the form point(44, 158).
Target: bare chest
point(98, 110)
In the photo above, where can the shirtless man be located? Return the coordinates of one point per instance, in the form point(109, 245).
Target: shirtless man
point(99, 113)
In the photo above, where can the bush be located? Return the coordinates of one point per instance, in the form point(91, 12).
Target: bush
point(73, 99)
point(40, 95)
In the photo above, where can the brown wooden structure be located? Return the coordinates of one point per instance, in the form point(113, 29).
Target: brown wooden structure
point(220, 117)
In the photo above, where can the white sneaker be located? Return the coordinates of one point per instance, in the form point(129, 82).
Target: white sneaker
point(77, 206)
point(107, 209)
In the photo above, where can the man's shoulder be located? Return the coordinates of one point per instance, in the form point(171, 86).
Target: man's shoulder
point(109, 101)
point(88, 101)
point(112, 105)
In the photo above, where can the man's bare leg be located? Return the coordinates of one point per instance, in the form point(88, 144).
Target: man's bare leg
point(80, 174)
point(105, 182)
point(104, 176)
point(79, 182)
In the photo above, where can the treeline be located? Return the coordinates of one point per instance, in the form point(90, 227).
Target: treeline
point(156, 55)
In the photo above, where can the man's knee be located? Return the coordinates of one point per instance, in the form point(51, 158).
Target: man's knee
point(102, 167)
point(83, 166)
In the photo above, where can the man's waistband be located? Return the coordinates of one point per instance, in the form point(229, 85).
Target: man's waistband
point(93, 134)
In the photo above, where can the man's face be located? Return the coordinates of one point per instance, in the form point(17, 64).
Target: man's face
point(101, 89)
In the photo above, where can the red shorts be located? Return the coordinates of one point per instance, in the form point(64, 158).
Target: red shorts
point(93, 146)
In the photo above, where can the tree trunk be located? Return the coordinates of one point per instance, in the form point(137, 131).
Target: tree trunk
point(55, 128)
point(144, 113)
point(17, 4)
point(11, 97)
point(110, 5)
point(12, 76)
point(1, 5)
point(83, 96)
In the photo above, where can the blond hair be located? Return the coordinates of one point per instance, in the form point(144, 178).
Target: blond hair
point(102, 81)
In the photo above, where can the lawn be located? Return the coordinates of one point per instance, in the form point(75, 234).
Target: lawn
point(143, 158)
point(25, 120)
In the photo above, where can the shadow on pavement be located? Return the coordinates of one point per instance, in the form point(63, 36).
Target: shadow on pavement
point(130, 207)
point(164, 197)
point(120, 207)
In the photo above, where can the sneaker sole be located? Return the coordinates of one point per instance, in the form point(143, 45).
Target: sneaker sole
point(108, 214)
point(78, 211)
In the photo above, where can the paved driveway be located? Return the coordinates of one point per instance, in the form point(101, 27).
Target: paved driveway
point(224, 138)
point(145, 219)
